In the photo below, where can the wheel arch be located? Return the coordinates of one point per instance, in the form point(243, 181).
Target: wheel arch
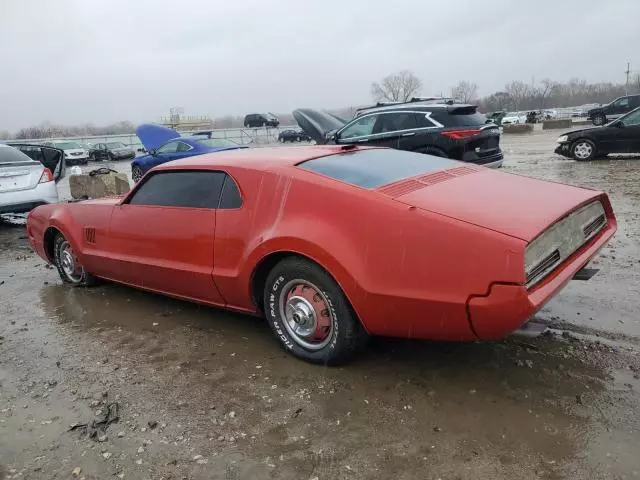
point(49, 241)
point(264, 266)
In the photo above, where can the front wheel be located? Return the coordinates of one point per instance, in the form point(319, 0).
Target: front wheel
point(136, 173)
point(69, 268)
point(583, 150)
point(310, 315)
point(599, 120)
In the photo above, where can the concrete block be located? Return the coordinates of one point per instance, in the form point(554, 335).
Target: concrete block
point(517, 128)
point(98, 186)
point(551, 124)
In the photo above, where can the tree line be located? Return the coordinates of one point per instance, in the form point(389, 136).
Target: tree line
point(52, 130)
point(517, 95)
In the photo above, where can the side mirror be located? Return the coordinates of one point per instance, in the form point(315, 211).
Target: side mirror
point(619, 125)
point(153, 152)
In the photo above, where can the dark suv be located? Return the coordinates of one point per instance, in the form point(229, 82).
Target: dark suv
point(444, 130)
point(617, 108)
point(261, 120)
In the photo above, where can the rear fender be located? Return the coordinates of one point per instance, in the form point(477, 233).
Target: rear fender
point(63, 221)
point(343, 264)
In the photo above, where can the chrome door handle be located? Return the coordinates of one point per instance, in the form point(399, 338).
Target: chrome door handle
point(410, 134)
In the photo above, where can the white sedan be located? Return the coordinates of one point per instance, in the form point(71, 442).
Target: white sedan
point(514, 117)
point(24, 183)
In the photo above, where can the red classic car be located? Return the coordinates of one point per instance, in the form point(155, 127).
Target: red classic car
point(336, 243)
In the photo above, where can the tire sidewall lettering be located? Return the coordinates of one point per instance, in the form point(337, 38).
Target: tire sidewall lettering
point(273, 311)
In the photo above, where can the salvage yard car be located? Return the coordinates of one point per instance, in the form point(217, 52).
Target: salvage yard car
point(617, 108)
point(514, 117)
point(50, 157)
point(292, 135)
point(164, 144)
point(24, 182)
point(111, 151)
point(336, 243)
point(74, 153)
point(619, 136)
point(452, 131)
point(253, 120)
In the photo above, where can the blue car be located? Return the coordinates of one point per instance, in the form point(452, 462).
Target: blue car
point(164, 145)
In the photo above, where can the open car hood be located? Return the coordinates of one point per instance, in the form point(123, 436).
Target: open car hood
point(153, 135)
point(316, 124)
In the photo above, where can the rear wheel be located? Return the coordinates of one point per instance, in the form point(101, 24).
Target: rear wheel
point(69, 268)
point(310, 315)
point(583, 150)
point(136, 173)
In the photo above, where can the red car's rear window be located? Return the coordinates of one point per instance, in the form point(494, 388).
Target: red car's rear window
point(374, 168)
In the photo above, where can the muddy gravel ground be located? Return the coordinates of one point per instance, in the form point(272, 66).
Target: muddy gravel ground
point(170, 390)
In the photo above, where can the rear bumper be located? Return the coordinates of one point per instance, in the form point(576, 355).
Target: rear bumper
point(76, 160)
point(507, 307)
point(25, 200)
point(492, 161)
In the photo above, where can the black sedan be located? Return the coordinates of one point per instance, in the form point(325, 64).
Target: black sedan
point(620, 136)
point(293, 136)
point(111, 151)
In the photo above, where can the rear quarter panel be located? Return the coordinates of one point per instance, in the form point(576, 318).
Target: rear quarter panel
point(70, 219)
point(405, 271)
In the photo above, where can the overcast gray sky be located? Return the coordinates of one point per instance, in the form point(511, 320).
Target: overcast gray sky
point(75, 61)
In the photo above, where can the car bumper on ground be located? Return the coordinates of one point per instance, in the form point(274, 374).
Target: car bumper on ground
point(507, 307)
point(123, 155)
point(563, 149)
point(79, 160)
point(22, 201)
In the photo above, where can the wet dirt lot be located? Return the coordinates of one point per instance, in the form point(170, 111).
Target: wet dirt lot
point(205, 394)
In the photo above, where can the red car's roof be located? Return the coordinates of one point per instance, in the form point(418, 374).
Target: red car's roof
point(259, 158)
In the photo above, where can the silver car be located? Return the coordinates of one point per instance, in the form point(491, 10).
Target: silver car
point(24, 183)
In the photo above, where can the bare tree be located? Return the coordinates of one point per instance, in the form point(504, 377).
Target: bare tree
point(397, 87)
point(518, 91)
point(465, 92)
point(546, 86)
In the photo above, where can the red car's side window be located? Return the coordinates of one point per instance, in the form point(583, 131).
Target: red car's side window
point(195, 189)
point(231, 197)
point(187, 188)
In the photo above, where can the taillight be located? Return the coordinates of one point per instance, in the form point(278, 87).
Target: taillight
point(460, 134)
point(46, 176)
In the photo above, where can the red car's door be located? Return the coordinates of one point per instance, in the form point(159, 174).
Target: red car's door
point(162, 237)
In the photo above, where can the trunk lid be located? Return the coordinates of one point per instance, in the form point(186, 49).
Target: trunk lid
point(317, 124)
point(20, 176)
point(518, 206)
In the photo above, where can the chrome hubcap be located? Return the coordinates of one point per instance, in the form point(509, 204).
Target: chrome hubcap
point(306, 315)
point(136, 174)
point(583, 150)
point(69, 263)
